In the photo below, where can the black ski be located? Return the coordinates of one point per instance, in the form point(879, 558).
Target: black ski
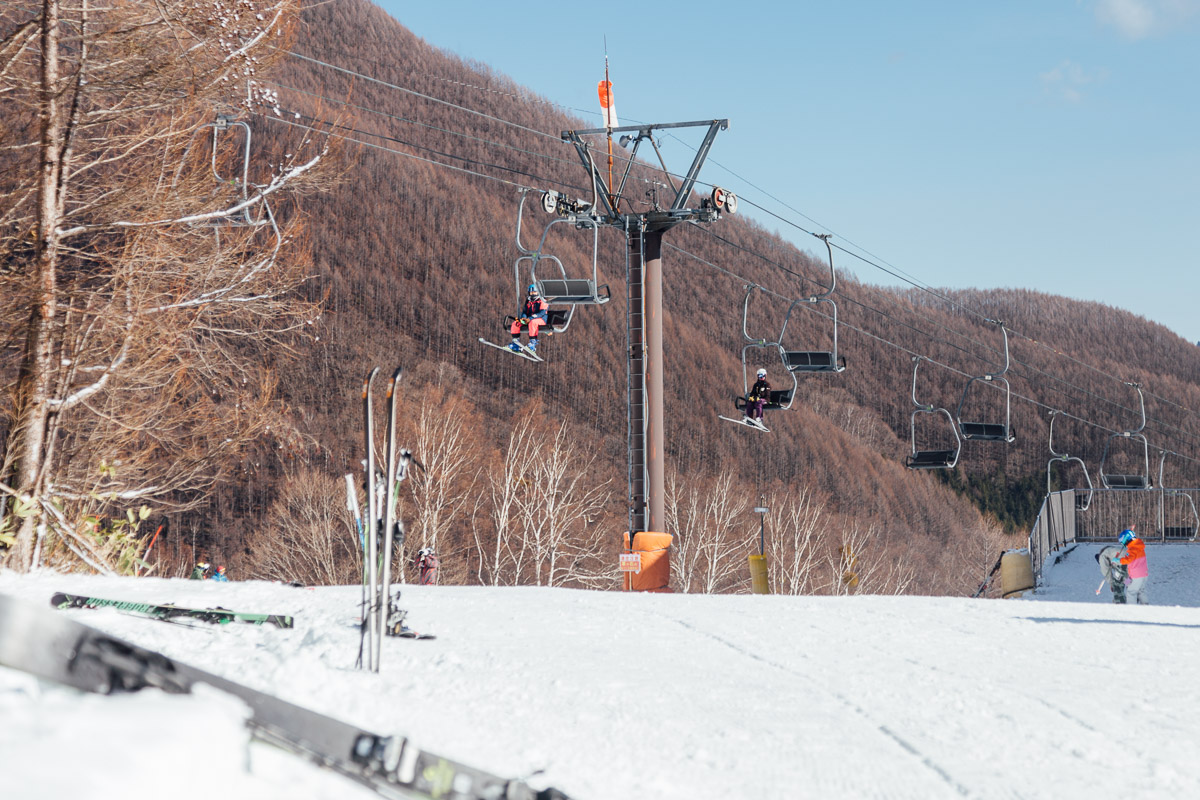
point(57, 648)
point(169, 612)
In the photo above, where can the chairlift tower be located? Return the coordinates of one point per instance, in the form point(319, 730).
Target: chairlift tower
point(644, 231)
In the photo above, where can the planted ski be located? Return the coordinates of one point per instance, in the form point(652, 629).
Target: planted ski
point(214, 616)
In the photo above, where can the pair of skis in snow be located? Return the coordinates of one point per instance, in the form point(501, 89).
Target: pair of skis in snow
point(378, 567)
point(170, 612)
point(59, 649)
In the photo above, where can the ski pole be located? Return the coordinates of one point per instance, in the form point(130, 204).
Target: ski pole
point(1101, 586)
point(151, 547)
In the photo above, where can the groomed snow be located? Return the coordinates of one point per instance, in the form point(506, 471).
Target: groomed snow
point(609, 695)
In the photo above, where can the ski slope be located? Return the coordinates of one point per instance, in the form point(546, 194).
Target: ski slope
point(613, 695)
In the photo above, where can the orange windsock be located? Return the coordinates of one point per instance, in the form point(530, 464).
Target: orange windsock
point(607, 105)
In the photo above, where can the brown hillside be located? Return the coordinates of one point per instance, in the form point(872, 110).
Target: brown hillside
point(414, 261)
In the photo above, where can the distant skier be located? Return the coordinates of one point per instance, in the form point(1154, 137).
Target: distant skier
point(219, 575)
point(201, 571)
point(427, 566)
point(534, 315)
point(1113, 571)
point(1134, 559)
point(757, 397)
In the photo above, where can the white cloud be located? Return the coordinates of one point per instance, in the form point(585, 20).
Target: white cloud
point(1068, 80)
point(1140, 19)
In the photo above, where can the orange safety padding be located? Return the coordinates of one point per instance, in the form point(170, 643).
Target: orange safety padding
point(655, 549)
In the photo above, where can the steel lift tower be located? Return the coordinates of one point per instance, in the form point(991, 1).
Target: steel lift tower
point(644, 232)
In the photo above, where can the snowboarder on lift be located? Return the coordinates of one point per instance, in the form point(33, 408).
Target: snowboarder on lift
point(759, 393)
point(533, 316)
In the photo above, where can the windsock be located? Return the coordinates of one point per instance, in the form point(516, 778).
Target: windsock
point(607, 105)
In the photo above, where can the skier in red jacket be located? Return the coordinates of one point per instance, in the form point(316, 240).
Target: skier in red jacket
point(533, 316)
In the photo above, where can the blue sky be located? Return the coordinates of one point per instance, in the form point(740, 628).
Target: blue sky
point(1041, 144)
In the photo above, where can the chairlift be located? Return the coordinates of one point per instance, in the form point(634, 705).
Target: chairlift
point(990, 431)
point(1174, 531)
point(1082, 502)
point(815, 360)
point(781, 399)
point(929, 459)
point(240, 180)
point(1116, 481)
point(559, 289)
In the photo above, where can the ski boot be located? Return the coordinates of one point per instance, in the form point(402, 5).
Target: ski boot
point(515, 346)
point(533, 344)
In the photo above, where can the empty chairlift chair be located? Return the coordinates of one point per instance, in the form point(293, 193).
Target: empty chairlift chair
point(1183, 521)
point(1114, 480)
point(929, 459)
point(816, 360)
point(990, 431)
point(1082, 501)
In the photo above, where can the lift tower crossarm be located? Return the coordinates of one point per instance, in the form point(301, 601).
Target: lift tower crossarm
point(678, 211)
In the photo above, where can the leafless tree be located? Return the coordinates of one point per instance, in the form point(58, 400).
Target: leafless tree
point(710, 532)
point(796, 545)
point(447, 441)
point(150, 298)
point(860, 565)
point(561, 500)
point(313, 538)
point(504, 556)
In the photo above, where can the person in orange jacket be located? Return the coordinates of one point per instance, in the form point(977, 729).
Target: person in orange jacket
point(1133, 557)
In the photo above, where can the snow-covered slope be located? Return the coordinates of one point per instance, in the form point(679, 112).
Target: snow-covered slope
point(654, 696)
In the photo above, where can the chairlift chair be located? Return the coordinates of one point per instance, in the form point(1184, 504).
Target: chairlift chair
point(929, 459)
point(815, 360)
point(1082, 502)
point(1174, 531)
point(780, 399)
point(559, 289)
point(1126, 481)
point(990, 431)
point(238, 179)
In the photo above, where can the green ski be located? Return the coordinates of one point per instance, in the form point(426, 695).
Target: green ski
point(215, 616)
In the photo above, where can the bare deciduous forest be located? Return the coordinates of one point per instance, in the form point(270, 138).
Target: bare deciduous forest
point(524, 477)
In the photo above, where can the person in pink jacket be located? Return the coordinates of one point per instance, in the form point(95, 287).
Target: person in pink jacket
point(1134, 559)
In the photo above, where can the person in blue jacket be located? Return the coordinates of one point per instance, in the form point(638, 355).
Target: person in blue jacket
point(219, 575)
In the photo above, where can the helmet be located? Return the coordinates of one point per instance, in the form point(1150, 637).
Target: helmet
point(762, 373)
point(1126, 536)
point(221, 569)
point(533, 288)
point(204, 565)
